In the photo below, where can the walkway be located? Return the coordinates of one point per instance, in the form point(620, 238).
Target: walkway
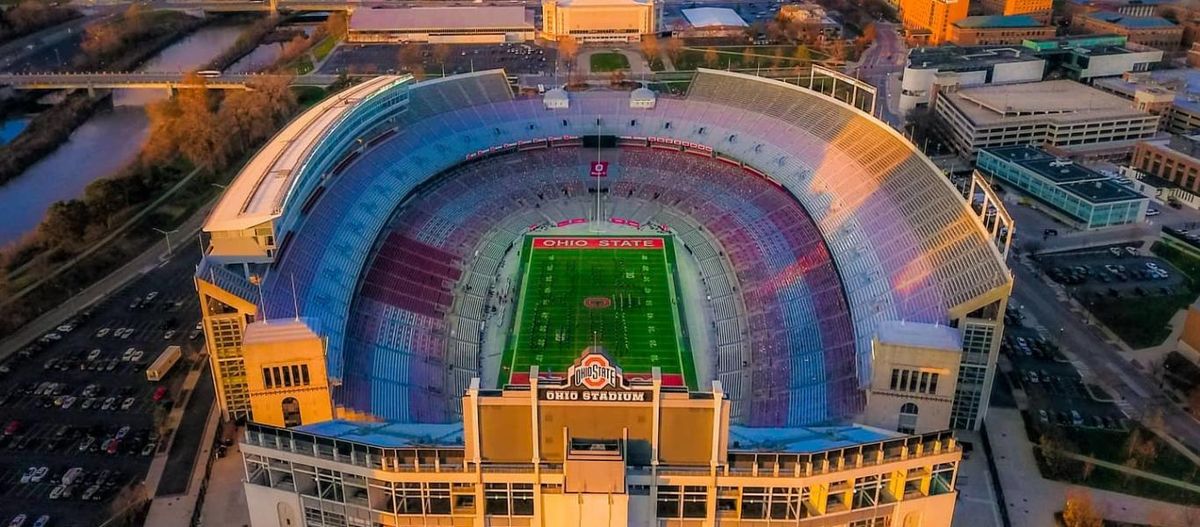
point(1139, 473)
point(1033, 500)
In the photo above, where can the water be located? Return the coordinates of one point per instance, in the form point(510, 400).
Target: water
point(103, 144)
point(265, 54)
point(10, 128)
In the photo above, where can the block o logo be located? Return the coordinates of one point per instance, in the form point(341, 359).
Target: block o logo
point(595, 372)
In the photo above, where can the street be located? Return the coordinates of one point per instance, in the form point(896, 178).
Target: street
point(885, 57)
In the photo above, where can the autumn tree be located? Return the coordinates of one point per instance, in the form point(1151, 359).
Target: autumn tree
point(568, 47)
point(650, 47)
point(1079, 511)
point(711, 57)
point(335, 25)
point(748, 58)
point(802, 54)
point(674, 48)
point(441, 52)
point(777, 58)
point(409, 58)
point(65, 223)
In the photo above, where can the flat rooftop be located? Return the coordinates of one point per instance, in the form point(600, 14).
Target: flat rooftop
point(998, 22)
point(1131, 22)
point(1184, 82)
point(804, 439)
point(433, 18)
point(1101, 191)
point(713, 17)
point(918, 335)
point(389, 435)
point(1060, 101)
point(967, 58)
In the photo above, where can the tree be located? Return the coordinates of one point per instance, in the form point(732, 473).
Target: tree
point(748, 58)
point(868, 35)
point(777, 58)
point(441, 52)
point(409, 58)
point(1078, 511)
point(65, 223)
point(802, 54)
point(616, 78)
point(674, 48)
point(335, 25)
point(568, 47)
point(650, 48)
point(711, 57)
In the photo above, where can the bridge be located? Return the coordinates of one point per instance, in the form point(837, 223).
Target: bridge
point(148, 80)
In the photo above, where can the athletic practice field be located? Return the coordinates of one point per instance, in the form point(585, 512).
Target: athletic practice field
point(618, 292)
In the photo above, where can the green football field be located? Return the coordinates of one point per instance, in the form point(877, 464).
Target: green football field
point(602, 292)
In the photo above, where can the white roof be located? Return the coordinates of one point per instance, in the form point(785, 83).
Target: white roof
point(430, 18)
point(713, 17)
point(258, 193)
point(919, 335)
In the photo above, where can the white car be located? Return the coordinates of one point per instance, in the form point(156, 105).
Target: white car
point(103, 332)
point(40, 474)
point(125, 357)
point(65, 328)
point(68, 402)
point(57, 492)
point(94, 354)
point(108, 403)
point(28, 475)
point(17, 521)
point(137, 356)
point(86, 444)
point(128, 403)
point(124, 431)
point(88, 403)
point(52, 336)
point(1152, 212)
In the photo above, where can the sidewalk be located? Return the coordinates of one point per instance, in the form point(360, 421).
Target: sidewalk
point(225, 500)
point(1033, 500)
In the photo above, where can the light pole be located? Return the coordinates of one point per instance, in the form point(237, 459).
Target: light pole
point(167, 235)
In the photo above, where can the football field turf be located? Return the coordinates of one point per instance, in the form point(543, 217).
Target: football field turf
point(619, 293)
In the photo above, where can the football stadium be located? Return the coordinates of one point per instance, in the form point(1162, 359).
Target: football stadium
point(454, 275)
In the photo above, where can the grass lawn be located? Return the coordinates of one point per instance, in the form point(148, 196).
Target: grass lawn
point(324, 47)
point(605, 62)
point(1140, 322)
point(743, 57)
point(623, 299)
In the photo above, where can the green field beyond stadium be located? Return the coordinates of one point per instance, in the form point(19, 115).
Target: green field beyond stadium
point(616, 292)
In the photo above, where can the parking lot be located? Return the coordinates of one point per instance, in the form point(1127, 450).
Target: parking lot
point(526, 58)
point(1057, 394)
point(77, 413)
point(1113, 272)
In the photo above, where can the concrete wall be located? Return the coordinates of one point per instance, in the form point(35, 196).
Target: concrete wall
point(273, 508)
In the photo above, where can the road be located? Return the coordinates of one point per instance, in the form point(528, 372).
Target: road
point(885, 57)
point(1134, 388)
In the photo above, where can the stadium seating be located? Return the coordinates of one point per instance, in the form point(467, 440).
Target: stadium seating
point(856, 231)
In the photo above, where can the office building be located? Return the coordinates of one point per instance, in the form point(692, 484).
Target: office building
point(1172, 93)
point(930, 67)
point(599, 20)
point(997, 30)
point(1176, 160)
point(932, 20)
point(1153, 31)
point(1075, 194)
point(1060, 113)
point(1040, 10)
point(442, 25)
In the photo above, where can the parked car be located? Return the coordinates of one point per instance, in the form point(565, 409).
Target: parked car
point(42, 521)
point(103, 332)
point(17, 521)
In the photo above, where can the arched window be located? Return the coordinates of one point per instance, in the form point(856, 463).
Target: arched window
point(908, 419)
point(291, 412)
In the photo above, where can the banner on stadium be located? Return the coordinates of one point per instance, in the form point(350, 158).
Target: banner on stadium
point(623, 221)
point(599, 169)
point(597, 243)
point(572, 221)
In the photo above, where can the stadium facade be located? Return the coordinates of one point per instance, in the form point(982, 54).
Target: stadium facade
point(362, 269)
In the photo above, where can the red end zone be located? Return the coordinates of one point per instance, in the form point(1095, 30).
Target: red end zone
point(668, 379)
point(566, 242)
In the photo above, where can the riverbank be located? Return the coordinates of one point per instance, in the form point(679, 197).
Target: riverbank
point(52, 127)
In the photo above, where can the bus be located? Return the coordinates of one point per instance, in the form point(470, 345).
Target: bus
point(162, 365)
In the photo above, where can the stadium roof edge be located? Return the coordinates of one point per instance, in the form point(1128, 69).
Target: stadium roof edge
point(254, 198)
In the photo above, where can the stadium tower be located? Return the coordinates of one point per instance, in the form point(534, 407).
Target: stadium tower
point(440, 303)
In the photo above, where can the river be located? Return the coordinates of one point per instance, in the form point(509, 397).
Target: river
point(103, 144)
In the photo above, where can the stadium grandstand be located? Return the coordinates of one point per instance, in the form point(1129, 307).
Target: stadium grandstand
point(391, 219)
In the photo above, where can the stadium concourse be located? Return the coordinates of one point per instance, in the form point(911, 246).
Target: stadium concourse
point(389, 223)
